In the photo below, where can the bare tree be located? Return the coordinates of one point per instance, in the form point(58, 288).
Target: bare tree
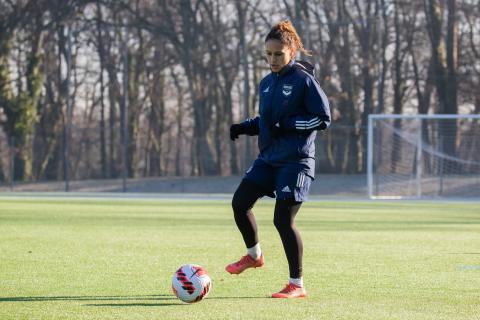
point(194, 67)
point(444, 53)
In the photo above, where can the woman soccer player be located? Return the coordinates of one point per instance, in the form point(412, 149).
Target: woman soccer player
point(292, 108)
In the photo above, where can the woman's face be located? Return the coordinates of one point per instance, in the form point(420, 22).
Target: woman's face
point(278, 54)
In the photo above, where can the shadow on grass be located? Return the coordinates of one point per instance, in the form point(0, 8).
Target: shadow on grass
point(163, 304)
point(121, 300)
point(89, 298)
point(465, 253)
point(133, 304)
point(259, 297)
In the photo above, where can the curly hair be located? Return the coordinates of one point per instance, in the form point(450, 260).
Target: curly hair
point(285, 32)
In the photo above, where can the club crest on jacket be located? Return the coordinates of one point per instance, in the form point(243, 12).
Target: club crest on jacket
point(287, 90)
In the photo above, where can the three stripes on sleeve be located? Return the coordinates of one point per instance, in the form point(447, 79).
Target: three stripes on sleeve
point(311, 124)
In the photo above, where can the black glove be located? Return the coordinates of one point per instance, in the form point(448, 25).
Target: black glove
point(276, 131)
point(322, 126)
point(236, 130)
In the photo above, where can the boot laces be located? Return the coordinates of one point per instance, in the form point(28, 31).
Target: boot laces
point(289, 288)
point(244, 260)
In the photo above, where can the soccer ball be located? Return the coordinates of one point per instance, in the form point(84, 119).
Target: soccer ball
point(191, 283)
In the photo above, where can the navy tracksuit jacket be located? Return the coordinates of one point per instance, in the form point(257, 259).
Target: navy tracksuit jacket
point(293, 100)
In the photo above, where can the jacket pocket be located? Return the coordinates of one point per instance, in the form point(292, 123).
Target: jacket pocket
point(304, 145)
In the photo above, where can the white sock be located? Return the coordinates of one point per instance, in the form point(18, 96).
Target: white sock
point(296, 281)
point(255, 252)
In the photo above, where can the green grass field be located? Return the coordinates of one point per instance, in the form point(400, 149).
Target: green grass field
point(113, 259)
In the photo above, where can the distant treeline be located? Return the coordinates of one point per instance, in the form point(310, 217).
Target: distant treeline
point(152, 86)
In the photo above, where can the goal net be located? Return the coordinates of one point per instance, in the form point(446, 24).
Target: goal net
point(423, 156)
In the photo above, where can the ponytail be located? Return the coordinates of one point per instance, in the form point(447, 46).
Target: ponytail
point(285, 32)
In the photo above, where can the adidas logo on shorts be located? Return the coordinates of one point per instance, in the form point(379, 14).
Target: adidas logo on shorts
point(286, 189)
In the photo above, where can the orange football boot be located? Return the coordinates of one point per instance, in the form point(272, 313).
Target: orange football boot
point(244, 263)
point(291, 291)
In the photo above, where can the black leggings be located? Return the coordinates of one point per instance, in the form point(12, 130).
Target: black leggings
point(285, 211)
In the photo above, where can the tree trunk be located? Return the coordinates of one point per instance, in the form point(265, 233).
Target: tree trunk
point(347, 155)
point(398, 88)
point(101, 54)
point(179, 148)
point(196, 78)
point(241, 7)
point(444, 55)
point(21, 110)
point(157, 116)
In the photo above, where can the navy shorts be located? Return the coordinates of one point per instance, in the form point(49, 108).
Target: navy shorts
point(283, 182)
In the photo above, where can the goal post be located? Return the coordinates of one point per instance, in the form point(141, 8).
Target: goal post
point(423, 156)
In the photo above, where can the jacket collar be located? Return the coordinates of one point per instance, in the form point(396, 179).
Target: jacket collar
point(286, 69)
